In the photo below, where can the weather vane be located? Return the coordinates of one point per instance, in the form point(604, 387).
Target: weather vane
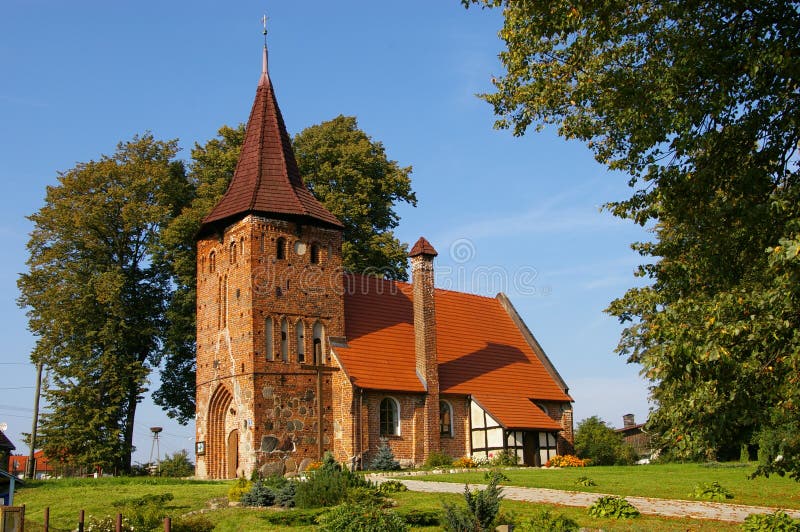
point(264, 22)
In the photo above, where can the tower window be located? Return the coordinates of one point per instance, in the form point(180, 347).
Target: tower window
point(212, 262)
point(389, 417)
point(314, 254)
point(280, 248)
point(445, 419)
point(233, 253)
point(284, 340)
point(299, 328)
point(269, 343)
point(319, 344)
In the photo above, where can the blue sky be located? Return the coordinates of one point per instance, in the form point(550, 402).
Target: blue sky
point(521, 215)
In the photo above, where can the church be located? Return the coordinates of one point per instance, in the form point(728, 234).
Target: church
point(297, 357)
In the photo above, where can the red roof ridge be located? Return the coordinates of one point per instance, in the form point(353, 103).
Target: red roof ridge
point(266, 179)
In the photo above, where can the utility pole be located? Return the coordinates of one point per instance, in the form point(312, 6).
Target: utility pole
point(31, 466)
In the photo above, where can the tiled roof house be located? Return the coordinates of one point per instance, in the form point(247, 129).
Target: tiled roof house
point(295, 358)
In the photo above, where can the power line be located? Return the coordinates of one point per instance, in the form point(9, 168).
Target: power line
point(16, 387)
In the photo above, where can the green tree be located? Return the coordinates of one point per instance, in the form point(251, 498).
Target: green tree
point(698, 104)
point(350, 174)
point(600, 443)
point(95, 292)
point(346, 170)
point(210, 173)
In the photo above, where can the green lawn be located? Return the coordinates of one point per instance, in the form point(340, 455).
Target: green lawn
point(668, 481)
point(66, 497)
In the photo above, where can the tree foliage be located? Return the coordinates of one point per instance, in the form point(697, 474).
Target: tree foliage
point(350, 174)
point(95, 292)
point(698, 104)
point(346, 170)
point(601, 444)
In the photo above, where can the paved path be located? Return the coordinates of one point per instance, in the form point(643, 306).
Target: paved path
point(646, 505)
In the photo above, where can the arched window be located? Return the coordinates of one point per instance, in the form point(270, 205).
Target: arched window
point(212, 262)
point(280, 248)
point(284, 340)
point(269, 339)
point(445, 419)
point(319, 344)
point(300, 330)
point(314, 254)
point(390, 417)
point(233, 252)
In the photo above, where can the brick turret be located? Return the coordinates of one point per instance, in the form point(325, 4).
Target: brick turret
point(422, 255)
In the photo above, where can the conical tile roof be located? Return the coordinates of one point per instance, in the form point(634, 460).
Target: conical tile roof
point(266, 180)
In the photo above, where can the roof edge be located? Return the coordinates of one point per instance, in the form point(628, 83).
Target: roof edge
point(505, 302)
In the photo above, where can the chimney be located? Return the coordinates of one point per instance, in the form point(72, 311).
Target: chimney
point(627, 421)
point(427, 365)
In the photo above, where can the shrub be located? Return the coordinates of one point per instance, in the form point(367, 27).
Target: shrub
point(465, 462)
point(585, 481)
point(146, 512)
point(615, 507)
point(711, 492)
point(437, 459)
point(391, 486)
point(239, 488)
point(545, 521)
point(363, 496)
point(420, 518)
point(777, 522)
point(259, 495)
point(599, 442)
point(284, 496)
point(496, 476)
point(178, 465)
point(481, 510)
point(384, 460)
point(357, 518)
point(566, 460)
point(107, 524)
point(626, 455)
point(327, 486)
point(192, 523)
point(503, 458)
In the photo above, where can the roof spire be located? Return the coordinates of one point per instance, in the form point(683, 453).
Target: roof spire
point(264, 74)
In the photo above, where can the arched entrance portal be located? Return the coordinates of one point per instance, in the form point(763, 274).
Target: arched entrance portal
point(233, 453)
point(216, 453)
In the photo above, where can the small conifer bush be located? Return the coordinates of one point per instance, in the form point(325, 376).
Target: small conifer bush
point(384, 460)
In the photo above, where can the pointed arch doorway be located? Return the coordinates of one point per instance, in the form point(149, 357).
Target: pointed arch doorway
point(218, 451)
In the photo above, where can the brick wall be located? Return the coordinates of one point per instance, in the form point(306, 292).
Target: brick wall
point(285, 404)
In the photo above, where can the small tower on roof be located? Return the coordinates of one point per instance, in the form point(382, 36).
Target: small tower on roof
point(269, 294)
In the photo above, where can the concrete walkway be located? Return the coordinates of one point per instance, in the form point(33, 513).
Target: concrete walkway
point(646, 505)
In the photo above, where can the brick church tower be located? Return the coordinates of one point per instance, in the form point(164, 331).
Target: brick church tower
point(269, 295)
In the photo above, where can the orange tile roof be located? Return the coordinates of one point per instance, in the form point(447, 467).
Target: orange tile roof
point(481, 352)
point(266, 179)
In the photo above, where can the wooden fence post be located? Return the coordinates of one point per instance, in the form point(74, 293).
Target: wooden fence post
point(167, 524)
point(119, 523)
point(46, 519)
point(80, 521)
